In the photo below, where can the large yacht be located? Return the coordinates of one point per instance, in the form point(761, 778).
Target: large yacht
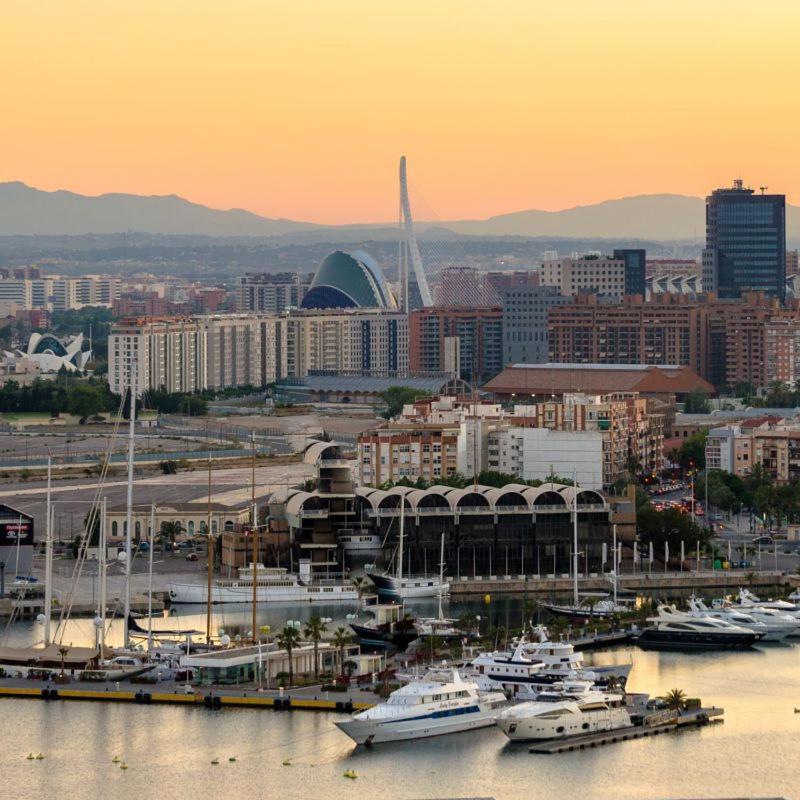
point(674, 630)
point(422, 709)
point(510, 671)
point(273, 585)
point(562, 661)
point(772, 627)
point(568, 709)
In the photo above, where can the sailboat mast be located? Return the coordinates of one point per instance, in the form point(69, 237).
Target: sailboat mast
point(615, 563)
point(210, 548)
point(441, 576)
point(401, 543)
point(129, 511)
point(150, 548)
point(254, 521)
point(103, 573)
point(575, 546)
point(48, 568)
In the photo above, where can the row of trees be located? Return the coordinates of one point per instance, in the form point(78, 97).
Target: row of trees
point(87, 397)
point(290, 637)
point(485, 478)
point(776, 502)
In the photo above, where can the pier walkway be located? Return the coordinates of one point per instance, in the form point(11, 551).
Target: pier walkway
point(308, 698)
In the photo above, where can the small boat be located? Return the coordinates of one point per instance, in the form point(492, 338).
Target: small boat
point(422, 709)
point(273, 585)
point(387, 627)
point(83, 663)
point(673, 630)
point(569, 709)
point(748, 600)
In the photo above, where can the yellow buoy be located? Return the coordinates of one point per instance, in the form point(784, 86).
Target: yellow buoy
point(30, 756)
point(286, 762)
point(350, 774)
point(39, 757)
point(215, 761)
point(115, 760)
point(123, 765)
point(232, 758)
point(487, 598)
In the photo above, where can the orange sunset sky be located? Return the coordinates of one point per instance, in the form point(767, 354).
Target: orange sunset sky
point(301, 109)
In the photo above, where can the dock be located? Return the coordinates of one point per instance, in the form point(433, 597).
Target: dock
point(210, 697)
point(696, 717)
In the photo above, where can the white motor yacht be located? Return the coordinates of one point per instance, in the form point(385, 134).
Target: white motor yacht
point(773, 629)
point(675, 630)
point(512, 672)
point(422, 709)
point(273, 585)
point(562, 661)
point(571, 709)
point(748, 600)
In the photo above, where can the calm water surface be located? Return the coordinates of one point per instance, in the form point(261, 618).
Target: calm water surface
point(755, 752)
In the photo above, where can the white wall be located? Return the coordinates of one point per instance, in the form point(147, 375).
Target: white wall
point(566, 453)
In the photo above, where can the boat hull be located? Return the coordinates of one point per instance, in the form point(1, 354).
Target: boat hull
point(391, 589)
point(529, 729)
point(196, 593)
point(369, 732)
point(381, 639)
point(669, 640)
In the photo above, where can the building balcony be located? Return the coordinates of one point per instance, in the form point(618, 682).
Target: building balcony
point(314, 513)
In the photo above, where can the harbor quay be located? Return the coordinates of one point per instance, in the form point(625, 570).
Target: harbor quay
point(309, 698)
point(723, 580)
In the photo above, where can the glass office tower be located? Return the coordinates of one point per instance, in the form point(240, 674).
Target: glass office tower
point(745, 242)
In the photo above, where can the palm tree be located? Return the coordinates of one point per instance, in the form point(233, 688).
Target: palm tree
point(341, 638)
point(676, 699)
point(287, 640)
point(315, 627)
point(360, 584)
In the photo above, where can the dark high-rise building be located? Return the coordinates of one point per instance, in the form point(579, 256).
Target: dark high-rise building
point(635, 262)
point(745, 242)
point(525, 321)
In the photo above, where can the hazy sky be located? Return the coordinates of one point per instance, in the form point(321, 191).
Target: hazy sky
point(301, 109)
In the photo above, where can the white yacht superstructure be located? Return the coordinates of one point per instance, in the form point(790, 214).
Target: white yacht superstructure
point(571, 709)
point(512, 672)
point(274, 585)
point(422, 709)
point(772, 628)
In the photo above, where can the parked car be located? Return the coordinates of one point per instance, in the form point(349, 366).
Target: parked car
point(762, 540)
point(191, 556)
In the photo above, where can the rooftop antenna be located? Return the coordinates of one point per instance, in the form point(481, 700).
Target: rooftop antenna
point(763, 189)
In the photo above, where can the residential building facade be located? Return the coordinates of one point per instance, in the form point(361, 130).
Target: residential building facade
point(589, 274)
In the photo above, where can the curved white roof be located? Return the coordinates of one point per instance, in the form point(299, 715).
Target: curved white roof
point(493, 495)
point(295, 503)
point(315, 450)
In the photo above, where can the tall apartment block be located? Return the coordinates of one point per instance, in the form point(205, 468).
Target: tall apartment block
point(271, 293)
point(594, 274)
point(525, 309)
point(745, 242)
point(472, 337)
point(216, 351)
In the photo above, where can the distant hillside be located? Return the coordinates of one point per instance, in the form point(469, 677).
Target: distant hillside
point(28, 211)
point(655, 217)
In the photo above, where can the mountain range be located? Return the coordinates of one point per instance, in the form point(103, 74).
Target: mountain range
point(26, 211)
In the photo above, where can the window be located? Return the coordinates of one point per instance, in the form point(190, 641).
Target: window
point(114, 529)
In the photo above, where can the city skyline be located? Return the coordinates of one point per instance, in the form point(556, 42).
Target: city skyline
point(302, 116)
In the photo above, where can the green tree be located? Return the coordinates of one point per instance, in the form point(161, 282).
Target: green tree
point(395, 397)
point(85, 400)
point(341, 638)
point(676, 699)
point(696, 402)
point(287, 640)
point(315, 627)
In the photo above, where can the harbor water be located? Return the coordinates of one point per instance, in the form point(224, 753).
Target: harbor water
point(169, 750)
